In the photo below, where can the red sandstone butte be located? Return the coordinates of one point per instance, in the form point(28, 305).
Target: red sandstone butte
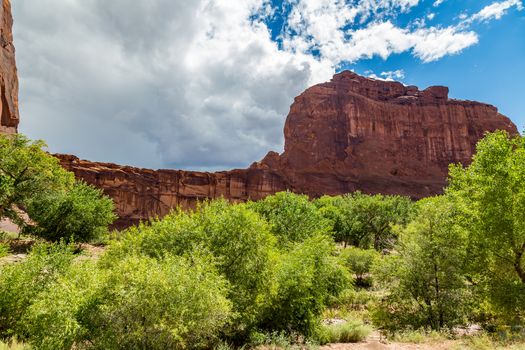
point(352, 133)
point(355, 133)
point(8, 75)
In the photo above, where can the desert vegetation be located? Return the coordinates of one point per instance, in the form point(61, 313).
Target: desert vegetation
point(281, 272)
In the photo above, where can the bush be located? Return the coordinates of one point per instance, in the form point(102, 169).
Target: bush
point(80, 214)
point(348, 332)
point(292, 217)
point(237, 238)
point(360, 261)
point(21, 283)
point(308, 277)
point(139, 303)
point(4, 249)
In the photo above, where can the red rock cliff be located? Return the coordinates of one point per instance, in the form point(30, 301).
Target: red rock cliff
point(8, 76)
point(142, 193)
point(350, 134)
point(355, 133)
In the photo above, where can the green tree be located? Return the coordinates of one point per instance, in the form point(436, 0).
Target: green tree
point(32, 181)
point(237, 237)
point(81, 213)
point(27, 171)
point(491, 194)
point(292, 217)
point(426, 276)
point(364, 220)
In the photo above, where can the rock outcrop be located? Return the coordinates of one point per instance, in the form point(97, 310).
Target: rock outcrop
point(8, 76)
point(352, 133)
point(142, 193)
point(355, 133)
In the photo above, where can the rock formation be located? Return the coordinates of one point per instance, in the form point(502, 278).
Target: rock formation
point(350, 134)
point(355, 133)
point(142, 193)
point(8, 75)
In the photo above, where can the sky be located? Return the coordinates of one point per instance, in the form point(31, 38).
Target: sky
point(207, 84)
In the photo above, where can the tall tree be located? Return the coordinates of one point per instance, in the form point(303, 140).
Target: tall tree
point(491, 194)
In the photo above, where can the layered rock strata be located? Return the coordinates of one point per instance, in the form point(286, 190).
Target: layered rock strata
point(8, 75)
point(352, 133)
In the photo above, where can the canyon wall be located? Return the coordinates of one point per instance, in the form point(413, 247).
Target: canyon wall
point(8, 76)
point(142, 193)
point(352, 133)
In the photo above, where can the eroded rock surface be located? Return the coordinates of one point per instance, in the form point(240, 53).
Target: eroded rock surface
point(355, 133)
point(349, 134)
point(142, 193)
point(9, 117)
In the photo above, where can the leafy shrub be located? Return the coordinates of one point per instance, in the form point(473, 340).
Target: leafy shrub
point(292, 217)
point(360, 262)
point(348, 332)
point(21, 283)
point(308, 277)
point(237, 238)
point(139, 303)
point(80, 214)
point(4, 249)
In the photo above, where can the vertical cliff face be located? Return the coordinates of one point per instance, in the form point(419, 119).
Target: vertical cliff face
point(355, 133)
point(8, 76)
point(142, 193)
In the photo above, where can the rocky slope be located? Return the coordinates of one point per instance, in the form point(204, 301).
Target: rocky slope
point(8, 75)
point(352, 133)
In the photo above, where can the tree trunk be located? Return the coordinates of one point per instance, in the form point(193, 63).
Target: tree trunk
point(517, 263)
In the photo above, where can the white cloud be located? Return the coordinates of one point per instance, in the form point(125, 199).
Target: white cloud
point(431, 16)
point(396, 75)
point(496, 10)
point(195, 84)
point(438, 2)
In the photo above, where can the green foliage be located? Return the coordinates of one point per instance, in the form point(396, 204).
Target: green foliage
point(138, 303)
point(491, 195)
point(27, 171)
point(4, 249)
point(425, 279)
point(237, 238)
point(348, 332)
point(366, 221)
point(292, 217)
point(21, 283)
point(308, 277)
point(33, 181)
point(360, 261)
point(80, 214)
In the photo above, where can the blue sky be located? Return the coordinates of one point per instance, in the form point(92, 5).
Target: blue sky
point(207, 84)
point(491, 71)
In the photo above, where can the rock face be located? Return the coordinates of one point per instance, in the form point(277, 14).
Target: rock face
point(350, 134)
point(142, 193)
point(355, 133)
point(8, 76)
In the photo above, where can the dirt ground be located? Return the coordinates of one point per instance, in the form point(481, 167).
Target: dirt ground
point(376, 345)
